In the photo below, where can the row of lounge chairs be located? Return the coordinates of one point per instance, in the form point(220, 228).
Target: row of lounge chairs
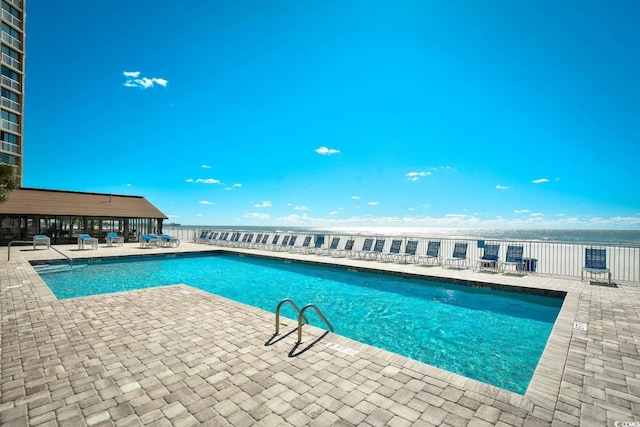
point(373, 249)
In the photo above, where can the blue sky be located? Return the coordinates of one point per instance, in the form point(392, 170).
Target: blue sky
point(500, 114)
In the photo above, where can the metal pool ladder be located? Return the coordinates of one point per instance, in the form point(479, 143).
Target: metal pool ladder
point(301, 316)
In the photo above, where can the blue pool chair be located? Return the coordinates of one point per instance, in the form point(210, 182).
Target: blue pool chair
point(346, 251)
point(333, 247)
point(304, 248)
point(85, 239)
point(394, 251)
point(459, 256)
point(489, 258)
point(432, 257)
point(366, 248)
point(377, 250)
point(41, 239)
point(595, 262)
point(114, 239)
point(409, 252)
point(514, 258)
point(149, 241)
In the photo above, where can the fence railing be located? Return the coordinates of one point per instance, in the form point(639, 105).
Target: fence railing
point(546, 258)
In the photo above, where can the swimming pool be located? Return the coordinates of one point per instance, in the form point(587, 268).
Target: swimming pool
point(493, 336)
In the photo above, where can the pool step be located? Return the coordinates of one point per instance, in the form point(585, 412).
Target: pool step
point(56, 268)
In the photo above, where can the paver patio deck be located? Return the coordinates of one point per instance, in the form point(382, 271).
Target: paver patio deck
point(175, 355)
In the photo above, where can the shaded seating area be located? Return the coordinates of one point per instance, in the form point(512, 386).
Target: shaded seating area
point(489, 258)
point(432, 257)
point(41, 239)
point(459, 256)
point(114, 239)
point(595, 262)
point(86, 240)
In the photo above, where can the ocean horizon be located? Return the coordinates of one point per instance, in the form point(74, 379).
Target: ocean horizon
point(611, 237)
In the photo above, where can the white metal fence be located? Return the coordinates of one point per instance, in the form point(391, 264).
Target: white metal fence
point(540, 257)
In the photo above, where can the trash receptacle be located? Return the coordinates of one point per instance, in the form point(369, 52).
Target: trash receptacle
point(529, 264)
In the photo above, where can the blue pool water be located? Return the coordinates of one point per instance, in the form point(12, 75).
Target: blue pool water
point(490, 335)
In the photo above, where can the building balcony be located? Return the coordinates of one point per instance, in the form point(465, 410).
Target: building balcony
point(14, 63)
point(7, 16)
point(10, 126)
point(11, 148)
point(11, 41)
point(13, 84)
point(12, 105)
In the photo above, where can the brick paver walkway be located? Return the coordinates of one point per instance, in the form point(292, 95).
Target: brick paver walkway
point(178, 356)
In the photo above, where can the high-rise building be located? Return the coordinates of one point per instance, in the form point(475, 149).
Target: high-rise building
point(12, 85)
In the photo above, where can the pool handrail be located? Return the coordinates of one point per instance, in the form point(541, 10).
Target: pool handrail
point(301, 316)
point(295, 307)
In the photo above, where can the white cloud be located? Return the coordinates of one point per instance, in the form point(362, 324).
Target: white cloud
point(234, 186)
point(301, 208)
point(205, 202)
point(540, 181)
point(206, 167)
point(501, 187)
point(373, 203)
point(414, 176)
point(326, 151)
point(333, 213)
point(537, 214)
point(265, 204)
point(256, 215)
point(205, 181)
point(355, 197)
point(518, 211)
point(133, 79)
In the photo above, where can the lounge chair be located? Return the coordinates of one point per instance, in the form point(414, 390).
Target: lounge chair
point(169, 241)
point(304, 248)
point(292, 243)
point(41, 239)
point(332, 247)
point(149, 241)
point(514, 258)
point(274, 242)
point(204, 236)
point(409, 252)
point(489, 258)
point(432, 257)
point(283, 246)
point(114, 239)
point(346, 251)
point(366, 249)
point(85, 239)
point(376, 251)
point(459, 256)
point(393, 251)
point(595, 262)
point(317, 245)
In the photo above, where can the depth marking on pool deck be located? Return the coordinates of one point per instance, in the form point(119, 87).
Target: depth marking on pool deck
point(341, 348)
point(580, 326)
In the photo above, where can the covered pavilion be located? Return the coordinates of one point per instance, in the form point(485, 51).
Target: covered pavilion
point(63, 215)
